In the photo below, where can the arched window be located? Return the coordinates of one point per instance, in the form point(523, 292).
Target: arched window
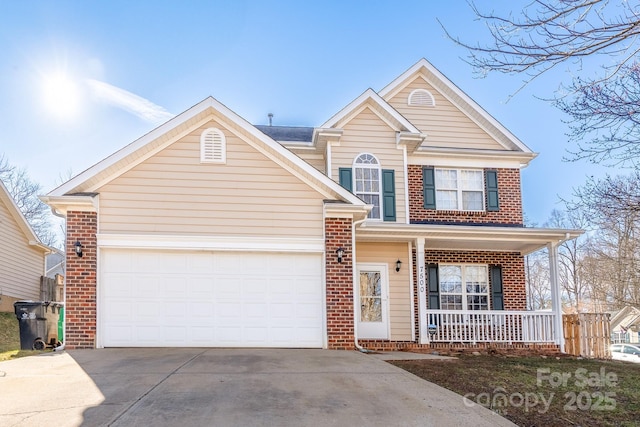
point(421, 98)
point(367, 186)
point(213, 146)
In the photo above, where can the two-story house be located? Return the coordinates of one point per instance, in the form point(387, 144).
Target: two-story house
point(395, 224)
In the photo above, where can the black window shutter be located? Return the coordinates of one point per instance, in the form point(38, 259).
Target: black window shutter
point(388, 195)
point(497, 296)
point(491, 180)
point(429, 188)
point(345, 178)
point(434, 287)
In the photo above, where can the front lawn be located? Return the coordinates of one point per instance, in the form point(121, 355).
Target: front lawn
point(536, 391)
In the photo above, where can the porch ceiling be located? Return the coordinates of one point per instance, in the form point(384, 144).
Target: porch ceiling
point(467, 237)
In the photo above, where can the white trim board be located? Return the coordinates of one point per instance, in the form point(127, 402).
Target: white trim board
point(212, 243)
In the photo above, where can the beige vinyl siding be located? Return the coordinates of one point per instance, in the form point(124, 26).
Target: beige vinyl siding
point(21, 264)
point(314, 159)
point(173, 193)
point(368, 133)
point(399, 283)
point(444, 124)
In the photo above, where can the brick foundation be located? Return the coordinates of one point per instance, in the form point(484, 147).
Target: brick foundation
point(339, 278)
point(521, 349)
point(80, 310)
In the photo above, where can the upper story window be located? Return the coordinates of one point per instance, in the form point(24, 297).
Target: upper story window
point(460, 189)
point(366, 170)
point(421, 98)
point(374, 185)
point(213, 146)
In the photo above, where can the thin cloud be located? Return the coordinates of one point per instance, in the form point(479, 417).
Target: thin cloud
point(129, 102)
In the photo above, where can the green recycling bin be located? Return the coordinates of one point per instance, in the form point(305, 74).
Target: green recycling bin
point(61, 325)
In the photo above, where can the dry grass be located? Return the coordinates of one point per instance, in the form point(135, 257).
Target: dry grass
point(10, 338)
point(536, 391)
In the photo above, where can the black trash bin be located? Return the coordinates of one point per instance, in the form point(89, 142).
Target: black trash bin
point(38, 324)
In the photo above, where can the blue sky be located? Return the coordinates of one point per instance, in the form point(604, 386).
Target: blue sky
point(131, 64)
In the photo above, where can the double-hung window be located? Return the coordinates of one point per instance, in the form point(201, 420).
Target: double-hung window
point(367, 182)
point(459, 189)
point(464, 287)
point(372, 184)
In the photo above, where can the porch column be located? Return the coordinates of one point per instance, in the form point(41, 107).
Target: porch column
point(556, 301)
point(422, 292)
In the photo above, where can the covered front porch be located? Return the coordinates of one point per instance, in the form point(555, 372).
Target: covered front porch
point(499, 322)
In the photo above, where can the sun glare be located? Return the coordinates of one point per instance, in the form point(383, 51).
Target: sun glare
point(60, 95)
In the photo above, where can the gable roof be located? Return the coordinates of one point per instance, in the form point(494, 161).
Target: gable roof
point(20, 219)
point(370, 98)
point(458, 98)
point(141, 149)
point(628, 312)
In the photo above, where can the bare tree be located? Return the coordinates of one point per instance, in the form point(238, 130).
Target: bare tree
point(537, 276)
point(603, 108)
point(25, 194)
point(611, 207)
point(605, 118)
point(575, 289)
point(552, 32)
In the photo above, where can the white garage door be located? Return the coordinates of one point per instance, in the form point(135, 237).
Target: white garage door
point(152, 298)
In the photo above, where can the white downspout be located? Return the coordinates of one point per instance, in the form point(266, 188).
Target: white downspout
point(356, 288)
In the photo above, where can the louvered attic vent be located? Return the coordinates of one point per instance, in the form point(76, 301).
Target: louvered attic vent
point(213, 146)
point(421, 98)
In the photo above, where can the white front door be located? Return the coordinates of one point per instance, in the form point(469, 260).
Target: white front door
point(373, 299)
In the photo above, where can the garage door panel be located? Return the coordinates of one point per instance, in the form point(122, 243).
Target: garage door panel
point(165, 298)
point(200, 288)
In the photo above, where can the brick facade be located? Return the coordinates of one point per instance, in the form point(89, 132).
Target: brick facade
point(339, 279)
point(509, 196)
point(80, 310)
point(513, 278)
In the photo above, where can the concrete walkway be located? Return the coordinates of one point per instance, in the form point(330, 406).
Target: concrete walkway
point(224, 387)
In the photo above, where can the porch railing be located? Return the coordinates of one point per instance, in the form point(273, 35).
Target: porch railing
point(491, 326)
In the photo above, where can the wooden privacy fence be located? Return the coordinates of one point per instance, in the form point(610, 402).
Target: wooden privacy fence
point(51, 289)
point(587, 335)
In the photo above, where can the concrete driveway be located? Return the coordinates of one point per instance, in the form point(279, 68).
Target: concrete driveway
point(224, 387)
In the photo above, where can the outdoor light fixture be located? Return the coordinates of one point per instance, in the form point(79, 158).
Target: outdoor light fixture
point(339, 254)
point(398, 264)
point(78, 248)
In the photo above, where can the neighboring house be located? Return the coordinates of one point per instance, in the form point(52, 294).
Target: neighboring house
point(395, 224)
point(625, 325)
point(22, 255)
point(55, 264)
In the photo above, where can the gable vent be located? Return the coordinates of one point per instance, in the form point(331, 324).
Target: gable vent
point(421, 98)
point(213, 146)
